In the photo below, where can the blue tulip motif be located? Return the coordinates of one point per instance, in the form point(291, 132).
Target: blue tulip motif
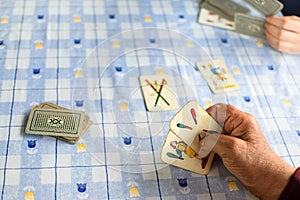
point(127, 140)
point(184, 189)
point(247, 99)
point(271, 67)
point(31, 144)
point(128, 143)
point(79, 103)
point(182, 182)
point(81, 187)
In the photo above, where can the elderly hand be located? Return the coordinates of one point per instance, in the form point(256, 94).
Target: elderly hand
point(283, 33)
point(247, 155)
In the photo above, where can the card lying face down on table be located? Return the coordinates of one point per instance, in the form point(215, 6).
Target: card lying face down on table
point(49, 119)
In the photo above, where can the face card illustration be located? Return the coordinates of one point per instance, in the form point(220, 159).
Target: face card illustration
point(218, 76)
point(176, 152)
point(209, 18)
point(192, 123)
point(158, 93)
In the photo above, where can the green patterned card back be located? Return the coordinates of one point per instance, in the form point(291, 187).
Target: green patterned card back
point(55, 122)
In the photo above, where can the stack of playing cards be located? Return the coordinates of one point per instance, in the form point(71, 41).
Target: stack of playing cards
point(230, 15)
point(53, 120)
point(182, 146)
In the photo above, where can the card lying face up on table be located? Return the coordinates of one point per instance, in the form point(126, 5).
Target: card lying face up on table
point(158, 92)
point(218, 76)
point(182, 146)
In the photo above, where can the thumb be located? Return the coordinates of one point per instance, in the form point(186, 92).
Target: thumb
point(222, 145)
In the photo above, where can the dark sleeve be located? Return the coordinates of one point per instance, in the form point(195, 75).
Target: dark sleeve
point(292, 190)
point(291, 7)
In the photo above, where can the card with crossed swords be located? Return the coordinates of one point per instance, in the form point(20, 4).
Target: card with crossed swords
point(158, 93)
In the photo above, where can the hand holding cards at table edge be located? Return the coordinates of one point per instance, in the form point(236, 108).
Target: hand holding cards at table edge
point(283, 33)
point(246, 153)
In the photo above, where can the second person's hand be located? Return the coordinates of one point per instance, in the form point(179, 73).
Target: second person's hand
point(283, 33)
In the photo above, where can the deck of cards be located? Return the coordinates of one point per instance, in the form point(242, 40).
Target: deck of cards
point(182, 146)
point(230, 15)
point(49, 119)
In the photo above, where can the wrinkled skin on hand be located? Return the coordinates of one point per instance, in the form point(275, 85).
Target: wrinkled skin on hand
point(246, 153)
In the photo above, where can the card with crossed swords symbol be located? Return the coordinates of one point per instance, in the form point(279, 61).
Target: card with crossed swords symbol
point(158, 93)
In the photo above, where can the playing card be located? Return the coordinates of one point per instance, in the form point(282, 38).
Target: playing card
point(209, 18)
point(229, 7)
point(68, 140)
point(158, 93)
point(250, 25)
point(176, 152)
point(218, 76)
point(217, 10)
point(225, 9)
point(266, 7)
point(49, 105)
point(86, 122)
point(191, 123)
point(53, 122)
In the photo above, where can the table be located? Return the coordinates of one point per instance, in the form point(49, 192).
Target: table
point(43, 46)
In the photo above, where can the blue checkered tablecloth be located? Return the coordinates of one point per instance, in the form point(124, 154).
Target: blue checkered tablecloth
point(87, 55)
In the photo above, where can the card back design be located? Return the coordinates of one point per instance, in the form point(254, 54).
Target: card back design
point(55, 122)
point(266, 7)
point(250, 25)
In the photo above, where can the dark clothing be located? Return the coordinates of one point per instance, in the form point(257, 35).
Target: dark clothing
point(291, 7)
point(292, 190)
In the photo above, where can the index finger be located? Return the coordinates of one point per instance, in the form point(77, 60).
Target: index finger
point(291, 23)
